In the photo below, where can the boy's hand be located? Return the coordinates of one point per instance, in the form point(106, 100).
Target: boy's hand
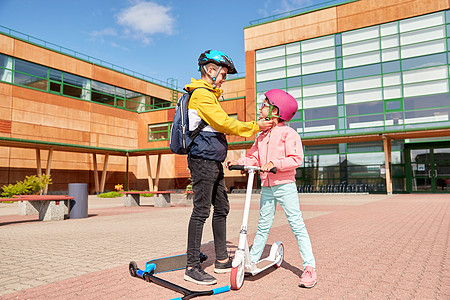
point(267, 167)
point(264, 125)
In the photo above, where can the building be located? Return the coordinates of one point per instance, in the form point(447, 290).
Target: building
point(371, 79)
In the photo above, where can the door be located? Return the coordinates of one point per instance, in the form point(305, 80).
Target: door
point(429, 169)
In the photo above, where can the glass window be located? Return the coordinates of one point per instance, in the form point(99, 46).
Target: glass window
point(425, 88)
point(363, 96)
point(393, 105)
point(73, 86)
point(297, 126)
point(364, 108)
point(321, 113)
point(365, 147)
point(273, 84)
point(294, 70)
point(361, 47)
point(320, 125)
point(362, 83)
point(389, 41)
point(426, 116)
point(319, 101)
point(292, 48)
point(392, 119)
point(392, 92)
point(319, 77)
point(422, 22)
point(319, 54)
point(271, 74)
point(389, 28)
point(270, 52)
point(360, 34)
point(318, 66)
point(294, 81)
point(317, 43)
point(427, 74)
point(391, 66)
point(364, 159)
point(30, 74)
point(423, 49)
point(424, 61)
point(423, 35)
point(362, 71)
point(158, 131)
point(272, 63)
point(319, 89)
point(426, 101)
point(6, 63)
point(390, 54)
point(30, 68)
point(293, 59)
point(369, 121)
point(321, 149)
point(361, 59)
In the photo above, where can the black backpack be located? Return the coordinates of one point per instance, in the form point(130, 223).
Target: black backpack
point(180, 139)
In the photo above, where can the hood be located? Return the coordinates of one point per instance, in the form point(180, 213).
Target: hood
point(196, 83)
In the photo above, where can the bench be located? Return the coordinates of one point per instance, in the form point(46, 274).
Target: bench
point(49, 207)
point(161, 198)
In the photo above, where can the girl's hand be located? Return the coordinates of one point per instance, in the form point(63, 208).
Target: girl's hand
point(267, 167)
point(231, 163)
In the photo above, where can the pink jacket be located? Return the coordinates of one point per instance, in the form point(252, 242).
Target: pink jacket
point(283, 147)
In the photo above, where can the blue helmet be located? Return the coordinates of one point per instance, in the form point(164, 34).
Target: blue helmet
point(218, 58)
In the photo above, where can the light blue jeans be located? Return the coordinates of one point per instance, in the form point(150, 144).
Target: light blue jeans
point(287, 196)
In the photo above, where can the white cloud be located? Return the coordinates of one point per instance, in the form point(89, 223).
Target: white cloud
point(145, 19)
point(104, 32)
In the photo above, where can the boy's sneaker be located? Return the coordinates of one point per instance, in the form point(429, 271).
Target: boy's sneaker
point(225, 267)
point(308, 278)
point(197, 275)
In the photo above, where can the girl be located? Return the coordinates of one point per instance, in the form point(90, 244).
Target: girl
point(280, 147)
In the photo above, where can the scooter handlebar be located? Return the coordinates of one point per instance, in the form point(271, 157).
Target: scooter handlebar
point(243, 168)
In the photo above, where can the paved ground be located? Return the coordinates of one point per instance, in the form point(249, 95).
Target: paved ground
point(366, 247)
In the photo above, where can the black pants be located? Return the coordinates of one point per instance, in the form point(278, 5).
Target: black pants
point(208, 184)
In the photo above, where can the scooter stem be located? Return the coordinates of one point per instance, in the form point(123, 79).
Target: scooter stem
point(248, 198)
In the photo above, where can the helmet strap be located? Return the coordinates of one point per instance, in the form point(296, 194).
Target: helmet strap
point(269, 115)
point(215, 76)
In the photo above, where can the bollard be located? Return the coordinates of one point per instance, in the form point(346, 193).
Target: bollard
point(79, 204)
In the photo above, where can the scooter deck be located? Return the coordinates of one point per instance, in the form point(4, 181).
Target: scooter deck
point(261, 266)
point(170, 263)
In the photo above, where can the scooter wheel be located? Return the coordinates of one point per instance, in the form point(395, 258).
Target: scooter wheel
point(280, 255)
point(237, 276)
point(133, 268)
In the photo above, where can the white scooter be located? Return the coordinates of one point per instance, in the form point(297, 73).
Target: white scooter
point(241, 263)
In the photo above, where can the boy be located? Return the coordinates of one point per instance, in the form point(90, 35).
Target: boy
point(205, 159)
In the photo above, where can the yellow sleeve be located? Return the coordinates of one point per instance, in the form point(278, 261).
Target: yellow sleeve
point(208, 108)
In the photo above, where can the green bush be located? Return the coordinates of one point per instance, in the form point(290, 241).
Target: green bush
point(30, 185)
point(112, 194)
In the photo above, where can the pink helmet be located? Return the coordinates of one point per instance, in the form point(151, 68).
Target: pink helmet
point(287, 105)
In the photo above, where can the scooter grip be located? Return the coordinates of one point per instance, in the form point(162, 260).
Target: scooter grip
point(221, 290)
point(236, 167)
point(273, 170)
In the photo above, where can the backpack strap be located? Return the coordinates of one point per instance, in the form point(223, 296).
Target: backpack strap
point(202, 124)
point(197, 130)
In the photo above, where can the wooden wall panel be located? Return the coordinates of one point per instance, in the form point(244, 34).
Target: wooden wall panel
point(372, 12)
point(56, 60)
point(7, 44)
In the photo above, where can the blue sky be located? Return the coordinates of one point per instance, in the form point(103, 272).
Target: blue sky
point(160, 39)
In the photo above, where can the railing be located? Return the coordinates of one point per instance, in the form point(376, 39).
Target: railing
point(36, 41)
point(317, 6)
